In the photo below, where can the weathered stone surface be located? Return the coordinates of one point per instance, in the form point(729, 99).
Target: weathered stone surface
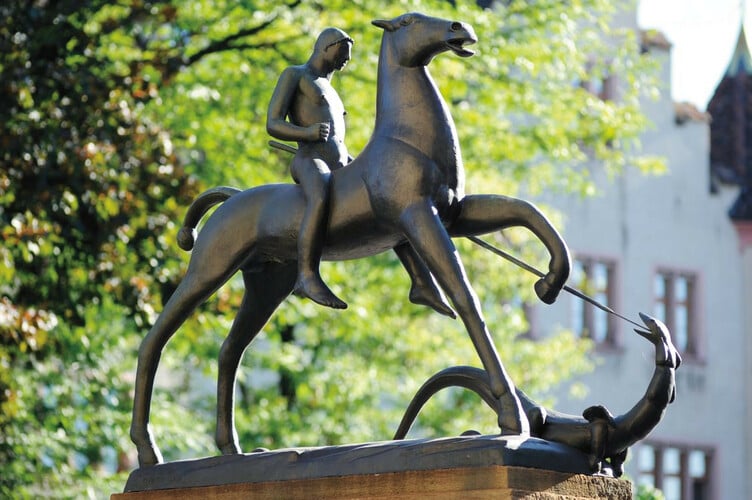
point(496, 481)
point(368, 458)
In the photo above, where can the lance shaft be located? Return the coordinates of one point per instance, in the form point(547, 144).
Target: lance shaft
point(524, 265)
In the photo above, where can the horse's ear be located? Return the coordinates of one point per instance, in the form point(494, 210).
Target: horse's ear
point(383, 24)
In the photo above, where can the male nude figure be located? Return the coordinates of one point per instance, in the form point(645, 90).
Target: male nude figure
point(317, 122)
point(305, 108)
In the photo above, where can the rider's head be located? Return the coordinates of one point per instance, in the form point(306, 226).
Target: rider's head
point(335, 46)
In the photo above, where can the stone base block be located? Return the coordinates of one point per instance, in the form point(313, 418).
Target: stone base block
point(498, 482)
point(457, 467)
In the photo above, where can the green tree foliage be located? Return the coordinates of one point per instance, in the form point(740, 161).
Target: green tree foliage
point(89, 190)
point(115, 114)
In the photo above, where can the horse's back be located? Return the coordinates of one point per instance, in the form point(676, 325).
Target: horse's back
point(262, 223)
point(354, 231)
point(257, 223)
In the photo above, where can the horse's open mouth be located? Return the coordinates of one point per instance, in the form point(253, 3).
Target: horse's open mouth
point(457, 45)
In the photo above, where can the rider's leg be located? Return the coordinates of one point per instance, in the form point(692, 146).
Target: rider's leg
point(424, 290)
point(314, 176)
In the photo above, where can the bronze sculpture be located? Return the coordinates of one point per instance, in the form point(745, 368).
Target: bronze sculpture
point(317, 122)
point(406, 187)
point(604, 438)
point(306, 108)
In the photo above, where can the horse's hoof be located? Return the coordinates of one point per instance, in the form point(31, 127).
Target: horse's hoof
point(546, 290)
point(512, 420)
point(148, 451)
point(230, 449)
point(149, 455)
point(595, 464)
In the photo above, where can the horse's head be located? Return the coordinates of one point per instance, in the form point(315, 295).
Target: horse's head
point(416, 38)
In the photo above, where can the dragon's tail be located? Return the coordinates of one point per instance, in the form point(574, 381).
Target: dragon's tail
point(468, 377)
point(476, 380)
point(199, 207)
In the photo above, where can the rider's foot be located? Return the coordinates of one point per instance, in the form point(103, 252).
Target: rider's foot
point(316, 290)
point(431, 296)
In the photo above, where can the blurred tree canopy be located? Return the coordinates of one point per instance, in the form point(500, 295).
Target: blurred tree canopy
point(115, 114)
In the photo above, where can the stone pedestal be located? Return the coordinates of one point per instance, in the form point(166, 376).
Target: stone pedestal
point(461, 467)
point(496, 482)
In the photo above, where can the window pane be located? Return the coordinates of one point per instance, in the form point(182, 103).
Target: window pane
point(672, 488)
point(646, 465)
point(578, 274)
point(646, 458)
point(659, 287)
point(600, 277)
point(700, 490)
point(681, 288)
point(595, 85)
point(646, 479)
point(578, 306)
point(697, 463)
point(578, 316)
point(600, 326)
point(671, 461)
point(659, 290)
point(600, 285)
point(660, 311)
point(681, 327)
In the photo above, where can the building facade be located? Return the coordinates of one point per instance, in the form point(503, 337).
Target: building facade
point(678, 247)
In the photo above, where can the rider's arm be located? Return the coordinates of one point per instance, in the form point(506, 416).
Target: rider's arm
point(279, 107)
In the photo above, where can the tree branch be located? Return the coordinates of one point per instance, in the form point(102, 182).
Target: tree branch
point(227, 43)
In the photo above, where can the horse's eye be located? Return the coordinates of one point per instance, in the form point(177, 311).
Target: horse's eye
point(407, 20)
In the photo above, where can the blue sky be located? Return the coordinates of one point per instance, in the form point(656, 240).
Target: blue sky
point(703, 34)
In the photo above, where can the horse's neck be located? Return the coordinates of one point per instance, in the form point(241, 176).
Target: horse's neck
point(410, 108)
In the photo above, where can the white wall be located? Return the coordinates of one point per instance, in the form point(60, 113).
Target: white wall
point(647, 222)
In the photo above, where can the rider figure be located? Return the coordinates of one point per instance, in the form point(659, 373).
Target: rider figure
point(306, 108)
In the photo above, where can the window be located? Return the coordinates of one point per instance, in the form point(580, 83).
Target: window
point(681, 472)
point(600, 82)
point(675, 305)
point(601, 87)
point(595, 278)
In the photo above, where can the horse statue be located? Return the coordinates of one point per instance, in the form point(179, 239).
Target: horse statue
point(406, 187)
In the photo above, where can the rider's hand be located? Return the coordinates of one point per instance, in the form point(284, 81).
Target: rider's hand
point(319, 132)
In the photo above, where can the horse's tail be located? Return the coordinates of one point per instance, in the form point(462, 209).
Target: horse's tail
point(199, 207)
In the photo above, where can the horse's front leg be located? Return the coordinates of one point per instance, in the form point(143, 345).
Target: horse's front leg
point(430, 240)
point(480, 214)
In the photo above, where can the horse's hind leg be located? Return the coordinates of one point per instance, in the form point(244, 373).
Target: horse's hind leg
point(428, 237)
point(265, 290)
point(191, 292)
point(481, 214)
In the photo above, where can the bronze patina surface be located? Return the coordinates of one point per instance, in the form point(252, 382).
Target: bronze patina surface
point(405, 188)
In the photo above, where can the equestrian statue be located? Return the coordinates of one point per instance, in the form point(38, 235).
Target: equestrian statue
point(405, 190)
